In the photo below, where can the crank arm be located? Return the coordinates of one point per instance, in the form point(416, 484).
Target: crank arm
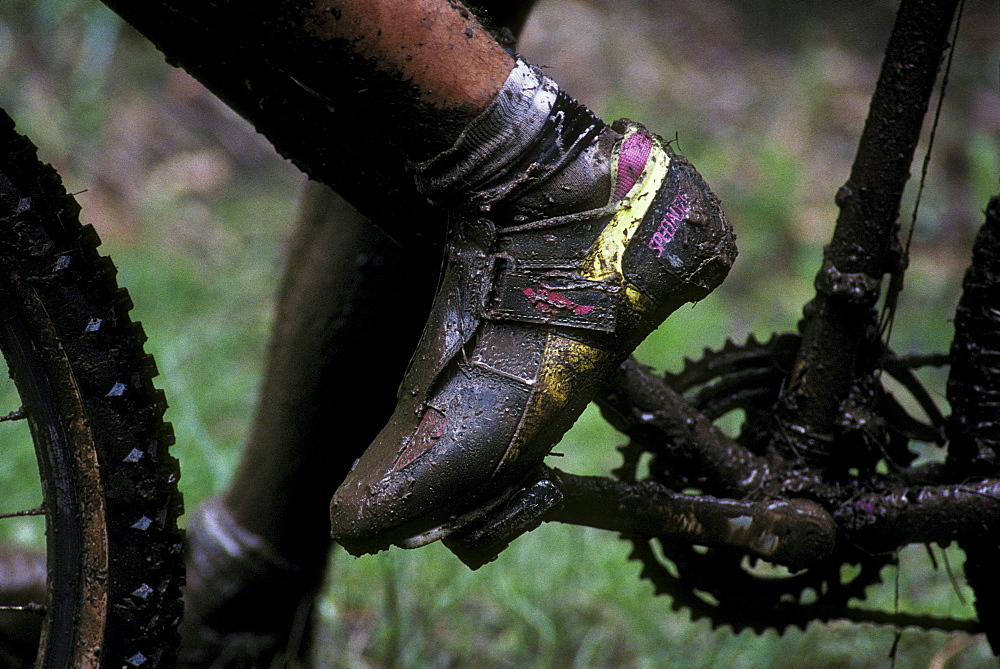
point(795, 533)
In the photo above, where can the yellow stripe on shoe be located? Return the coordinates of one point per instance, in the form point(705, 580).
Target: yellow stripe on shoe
point(604, 261)
point(557, 389)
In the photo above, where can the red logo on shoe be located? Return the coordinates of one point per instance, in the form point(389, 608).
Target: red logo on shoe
point(430, 429)
point(551, 302)
point(669, 225)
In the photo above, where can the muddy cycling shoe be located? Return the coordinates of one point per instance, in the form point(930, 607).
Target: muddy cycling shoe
point(528, 320)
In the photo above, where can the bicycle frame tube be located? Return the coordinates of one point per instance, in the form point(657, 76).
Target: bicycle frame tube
point(847, 285)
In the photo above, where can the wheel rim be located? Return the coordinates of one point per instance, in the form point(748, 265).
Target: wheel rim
point(77, 545)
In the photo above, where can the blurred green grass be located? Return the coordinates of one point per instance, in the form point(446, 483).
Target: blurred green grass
point(193, 208)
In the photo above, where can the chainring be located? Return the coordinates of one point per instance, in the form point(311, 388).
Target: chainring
point(722, 584)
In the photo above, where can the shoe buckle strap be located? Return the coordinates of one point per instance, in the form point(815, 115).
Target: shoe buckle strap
point(550, 295)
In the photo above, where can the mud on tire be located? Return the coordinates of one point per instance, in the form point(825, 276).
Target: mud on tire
point(115, 561)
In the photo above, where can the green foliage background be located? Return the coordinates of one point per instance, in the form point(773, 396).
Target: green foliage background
point(767, 98)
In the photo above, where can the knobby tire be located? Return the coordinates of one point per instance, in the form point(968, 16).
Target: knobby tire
point(114, 552)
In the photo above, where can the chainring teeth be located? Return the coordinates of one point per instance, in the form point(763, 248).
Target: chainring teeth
point(744, 376)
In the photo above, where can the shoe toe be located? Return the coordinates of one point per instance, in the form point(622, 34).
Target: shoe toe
point(686, 246)
point(430, 464)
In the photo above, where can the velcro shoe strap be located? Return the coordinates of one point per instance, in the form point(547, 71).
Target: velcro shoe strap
point(542, 295)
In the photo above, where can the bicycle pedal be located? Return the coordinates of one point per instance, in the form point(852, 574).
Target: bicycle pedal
point(482, 540)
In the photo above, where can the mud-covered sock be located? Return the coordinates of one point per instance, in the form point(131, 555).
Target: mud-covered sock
point(534, 153)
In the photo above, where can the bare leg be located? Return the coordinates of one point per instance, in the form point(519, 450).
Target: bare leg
point(346, 117)
point(408, 40)
point(433, 65)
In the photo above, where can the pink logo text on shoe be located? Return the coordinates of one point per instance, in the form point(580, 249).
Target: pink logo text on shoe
point(550, 301)
point(669, 225)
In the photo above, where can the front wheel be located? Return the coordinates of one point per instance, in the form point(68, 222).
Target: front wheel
point(108, 484)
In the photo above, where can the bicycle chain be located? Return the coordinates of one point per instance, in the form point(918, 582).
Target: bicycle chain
point(721, 584)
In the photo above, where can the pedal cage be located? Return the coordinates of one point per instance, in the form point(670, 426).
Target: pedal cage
point(482, 540)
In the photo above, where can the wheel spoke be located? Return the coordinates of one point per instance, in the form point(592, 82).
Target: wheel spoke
point(37, 511)
point(17, 414)
point(30, 607)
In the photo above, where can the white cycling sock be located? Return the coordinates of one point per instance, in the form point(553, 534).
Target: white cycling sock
point(533, 152)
